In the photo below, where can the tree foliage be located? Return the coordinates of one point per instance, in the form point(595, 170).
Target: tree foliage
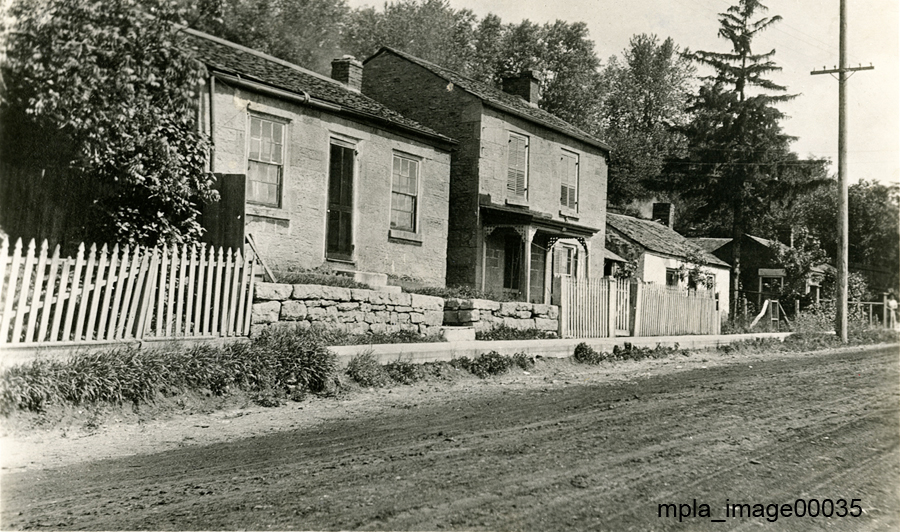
point(308, 33)
point(798, 261)
point(735, 140)
point(429, 29)
point(112, 88)
point(644, 98)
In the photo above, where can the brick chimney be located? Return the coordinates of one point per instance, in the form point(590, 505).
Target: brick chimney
point(348, 71)
point(665, 214)
point(526, 85)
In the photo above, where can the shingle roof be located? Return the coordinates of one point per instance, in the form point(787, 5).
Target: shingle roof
point(710, 244)
point(501, 100)
point(227, 57)
point(659, 238)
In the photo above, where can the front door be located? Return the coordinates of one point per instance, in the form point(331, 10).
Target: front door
point(339, 227)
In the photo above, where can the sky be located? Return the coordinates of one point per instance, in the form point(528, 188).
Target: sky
point(805, 40)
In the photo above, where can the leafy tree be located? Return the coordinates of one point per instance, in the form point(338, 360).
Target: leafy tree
point(734, 138)
point(110, 86)
point(798, 261)
point(873, 222)
point(645, 95)
point(564, 55)
point(308, 33)
point(429, 29)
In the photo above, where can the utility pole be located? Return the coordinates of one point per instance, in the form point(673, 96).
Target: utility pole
point(843, 267)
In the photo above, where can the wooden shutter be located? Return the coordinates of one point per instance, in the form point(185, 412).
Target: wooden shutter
point(568, 196)
point(517, 167)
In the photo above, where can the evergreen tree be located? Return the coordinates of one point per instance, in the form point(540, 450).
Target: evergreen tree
point(735, 141)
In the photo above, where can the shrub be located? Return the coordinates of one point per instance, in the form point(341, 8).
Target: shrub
point(523, 361)
point(365, 369)
point(505, 332)
point(586, 354)
point(323, 279)
point(459, 292)
point(405, 372)
point(487, 364)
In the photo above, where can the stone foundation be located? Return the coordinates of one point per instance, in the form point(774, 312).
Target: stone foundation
point(352, 310)
point(484, 314)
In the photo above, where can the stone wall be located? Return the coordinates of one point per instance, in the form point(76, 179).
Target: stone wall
point(484, 314)
point(353, 310)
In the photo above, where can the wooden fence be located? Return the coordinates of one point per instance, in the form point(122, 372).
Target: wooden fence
point(665, 311)
point(593, 308)
point(122, 294)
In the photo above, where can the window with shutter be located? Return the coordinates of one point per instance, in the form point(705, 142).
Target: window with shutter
point(517, 167)
point(568, 189)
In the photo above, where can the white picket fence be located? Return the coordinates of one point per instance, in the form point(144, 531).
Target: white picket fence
point(127, 293)
point(665, 311)
point(601, 308)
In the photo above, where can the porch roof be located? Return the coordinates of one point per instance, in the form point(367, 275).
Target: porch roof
point(507, 214)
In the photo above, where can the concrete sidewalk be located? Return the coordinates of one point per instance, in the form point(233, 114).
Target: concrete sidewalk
point(557, 348)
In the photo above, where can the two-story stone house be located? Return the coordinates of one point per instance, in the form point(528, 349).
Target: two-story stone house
point(324, 174)
point(528, 190)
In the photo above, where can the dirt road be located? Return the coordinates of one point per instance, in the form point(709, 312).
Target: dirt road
point(594, 456)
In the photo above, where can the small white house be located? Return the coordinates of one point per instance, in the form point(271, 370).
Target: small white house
point(660, 255)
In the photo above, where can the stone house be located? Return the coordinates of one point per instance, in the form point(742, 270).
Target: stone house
point(660, 254)
point(316, 172)
point(761, 276)
point(528, 190)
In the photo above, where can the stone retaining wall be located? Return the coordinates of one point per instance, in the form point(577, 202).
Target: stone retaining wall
point(353, 310)
point(484, 314)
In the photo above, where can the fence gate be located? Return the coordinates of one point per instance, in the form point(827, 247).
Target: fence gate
point(590, 308)
point(122, 294)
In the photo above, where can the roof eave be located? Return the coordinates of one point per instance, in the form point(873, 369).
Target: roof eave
point(582, 138)
point(500, 107)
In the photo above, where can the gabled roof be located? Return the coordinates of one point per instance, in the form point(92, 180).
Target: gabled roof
point(500, 100)
point(252, 65)
point(658, 238)
point(710, 244)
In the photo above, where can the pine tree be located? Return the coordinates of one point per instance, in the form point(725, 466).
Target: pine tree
point(735, 141)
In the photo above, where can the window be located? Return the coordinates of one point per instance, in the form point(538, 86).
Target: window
point(672, 277)
point(566, 258)
point(404, 193)
point(517, 167)
point(265, 162)
point(568, 190)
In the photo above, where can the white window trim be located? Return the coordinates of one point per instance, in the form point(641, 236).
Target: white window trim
point(285, 123)
point(417, 229)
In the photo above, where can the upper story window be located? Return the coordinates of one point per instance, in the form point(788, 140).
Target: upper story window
point(568, 189)
point(517, 167)
point(265, 162)
point(404, 193)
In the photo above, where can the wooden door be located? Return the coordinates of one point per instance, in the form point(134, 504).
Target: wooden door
point(339, 227)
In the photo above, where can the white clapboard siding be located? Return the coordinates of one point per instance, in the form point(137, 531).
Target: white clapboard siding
point(123, 293)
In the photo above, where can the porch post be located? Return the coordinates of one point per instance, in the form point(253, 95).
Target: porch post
point(528, 239)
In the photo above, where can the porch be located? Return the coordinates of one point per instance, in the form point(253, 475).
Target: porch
point(522, 251)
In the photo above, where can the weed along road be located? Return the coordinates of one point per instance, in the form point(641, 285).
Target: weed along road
point(774, 433)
